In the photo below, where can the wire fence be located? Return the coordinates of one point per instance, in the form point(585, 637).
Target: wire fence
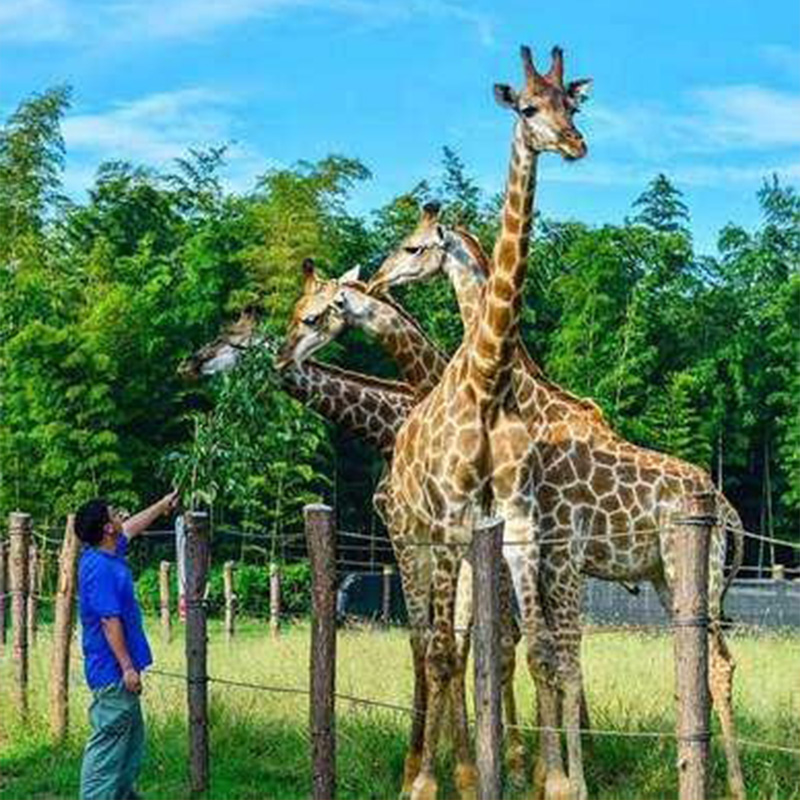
point(381, 544)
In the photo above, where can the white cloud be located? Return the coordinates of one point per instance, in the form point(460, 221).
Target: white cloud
point(748, 117)
point(135, 20)
point(34, 21)
point(716, 120)
point(155, 129)
point(612, 173)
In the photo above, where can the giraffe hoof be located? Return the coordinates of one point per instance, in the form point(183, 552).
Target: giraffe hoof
point(466, 780)
point(411, 769)
point(516, 775)
point(579, 790)
point(539, 776)
point(424, 787)
point(558, 787)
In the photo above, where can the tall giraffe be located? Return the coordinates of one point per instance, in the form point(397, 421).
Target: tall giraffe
point(455, 452)
point(324, 311)
point(646, 485)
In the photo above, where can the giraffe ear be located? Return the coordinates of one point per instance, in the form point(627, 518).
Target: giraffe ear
point(431, 210)
point(351, 276)
point(578, 91)
point(309, 274)
point(505, 95)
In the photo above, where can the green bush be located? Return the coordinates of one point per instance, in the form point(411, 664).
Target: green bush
point(251, 586)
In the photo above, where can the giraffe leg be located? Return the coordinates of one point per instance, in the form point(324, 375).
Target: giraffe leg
point(586, 721)
point(521, 549)
point(440, 667)
point(573, 692)
point(466, 774)
point(509, 639)
point(564, 594)
point(413, 758)
point(721, 680)
point(414, 572)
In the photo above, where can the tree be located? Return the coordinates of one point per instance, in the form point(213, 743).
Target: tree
point(31, 161)
point(662, 207)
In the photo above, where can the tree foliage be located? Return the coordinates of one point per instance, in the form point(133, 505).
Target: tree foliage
point(100, 301)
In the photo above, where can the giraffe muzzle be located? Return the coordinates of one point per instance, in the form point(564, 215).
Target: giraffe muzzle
point(573, 147)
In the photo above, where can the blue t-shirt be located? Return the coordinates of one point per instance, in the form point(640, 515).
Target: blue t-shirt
point(105, 588)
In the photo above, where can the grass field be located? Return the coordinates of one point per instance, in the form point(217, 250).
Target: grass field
point(259, 744)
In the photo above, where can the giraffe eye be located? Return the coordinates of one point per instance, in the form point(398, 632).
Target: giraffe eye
point(413, 251)
point(529, 111)
point(311, 320)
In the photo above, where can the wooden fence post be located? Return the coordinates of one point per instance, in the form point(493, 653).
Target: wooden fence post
point(33, 597)
point(386, 599)
point(321, 537)
point(62, 631)
point(196, 543)
point(230, 600)
point(692, 542)
point(487, 551)
point(19, 531)
point(780, 591)
point(3, 589)
point(163, 600)
point(274, 600)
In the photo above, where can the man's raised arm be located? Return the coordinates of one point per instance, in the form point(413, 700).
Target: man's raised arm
point(134, 525)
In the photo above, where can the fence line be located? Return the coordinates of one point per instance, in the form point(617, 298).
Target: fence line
point(371, 702)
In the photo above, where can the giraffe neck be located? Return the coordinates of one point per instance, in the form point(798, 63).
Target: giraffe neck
point(370, 408)
point(420, 362)
point(467, 269)
point(496, 333)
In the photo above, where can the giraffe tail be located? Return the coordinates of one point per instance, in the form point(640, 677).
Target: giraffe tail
point(732, 523)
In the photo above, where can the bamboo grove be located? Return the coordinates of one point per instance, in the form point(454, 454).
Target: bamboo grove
point(101, 298)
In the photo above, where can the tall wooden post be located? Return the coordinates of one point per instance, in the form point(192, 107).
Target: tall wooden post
point(19, 530)
point(62, 631)
point(321, 537)
point(197, 529)
point(487, 552)
point(692, 542)
point(33, 598)
point(386, 595)
point(163, 600)
point(3, 590)
point(230, 600)
point(274, 600)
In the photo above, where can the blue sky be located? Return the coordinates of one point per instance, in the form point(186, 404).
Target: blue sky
point(706, 90)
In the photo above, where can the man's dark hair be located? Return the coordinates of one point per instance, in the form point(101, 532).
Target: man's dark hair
point(90, 520)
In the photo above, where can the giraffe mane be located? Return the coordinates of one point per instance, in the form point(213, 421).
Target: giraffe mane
point(475, 248)
point(381, 384)
point(389, 301)
point(583, 403)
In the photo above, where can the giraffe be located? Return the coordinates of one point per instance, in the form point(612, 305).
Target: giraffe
point(614, 481)
point(324, 311)
point(371, 408)
point(326, 308)
point(459, 447)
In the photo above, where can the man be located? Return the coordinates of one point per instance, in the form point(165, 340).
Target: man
point(115, 649)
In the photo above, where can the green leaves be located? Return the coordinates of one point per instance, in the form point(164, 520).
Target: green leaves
point(101, 300)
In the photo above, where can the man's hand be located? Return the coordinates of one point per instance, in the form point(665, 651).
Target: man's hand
point(170, 501)
point(132, 680)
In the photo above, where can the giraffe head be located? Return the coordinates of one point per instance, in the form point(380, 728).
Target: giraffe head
point(429, 249)
point(224, 352)
point(546, 107)
point(324, 310)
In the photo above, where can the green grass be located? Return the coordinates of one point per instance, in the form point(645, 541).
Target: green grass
point(259, 742)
